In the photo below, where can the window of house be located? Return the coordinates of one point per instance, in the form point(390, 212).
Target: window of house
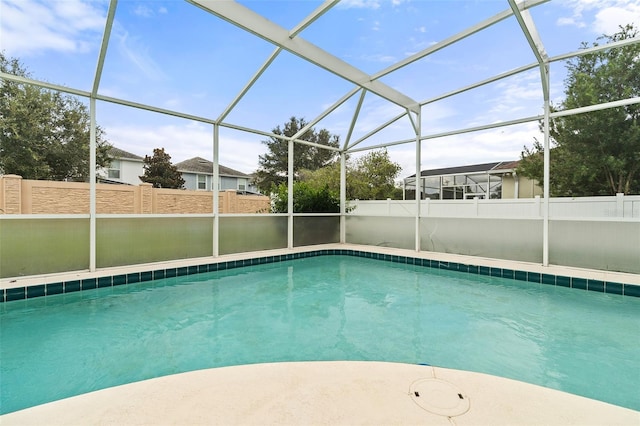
point(202, 182)
point(242, 184)
point(113, 172)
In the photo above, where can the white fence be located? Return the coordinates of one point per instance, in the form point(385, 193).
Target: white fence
point(590, 232)
point(620, 206)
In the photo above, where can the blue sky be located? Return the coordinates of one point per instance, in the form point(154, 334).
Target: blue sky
point(173, 55)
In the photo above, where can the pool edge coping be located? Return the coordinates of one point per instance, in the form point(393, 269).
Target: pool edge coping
point(49, 285)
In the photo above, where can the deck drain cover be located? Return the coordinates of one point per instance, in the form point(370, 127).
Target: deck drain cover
point(439, 397)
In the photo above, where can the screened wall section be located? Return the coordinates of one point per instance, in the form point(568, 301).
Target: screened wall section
point(216, 132)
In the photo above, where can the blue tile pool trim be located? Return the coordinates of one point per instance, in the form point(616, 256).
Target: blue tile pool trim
point(21, 293)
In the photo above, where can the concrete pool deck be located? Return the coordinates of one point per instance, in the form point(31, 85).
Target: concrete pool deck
point(326, 393)
point(349, 393)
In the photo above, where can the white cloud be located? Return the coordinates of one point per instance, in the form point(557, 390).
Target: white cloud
point(186, 141)
point(173, 104)
point(145, 11)
point(234, 153)
point(375, 113)
point(415, 45)
point(576, 8)
point(368, 4)
point(183, 141)
point(501, 144)
point(32, 26)
point(137, 52)
point(433, 115)
point(571, 21)
point(405, 156)
point(511, 98)
point(609, 20)
point(602, 16)
point(516, 93)
point(360, 4)
point(377, 57)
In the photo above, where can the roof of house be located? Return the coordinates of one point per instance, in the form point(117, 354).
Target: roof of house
point(508, 165)
point(201, 165)
point(469, 169)
point(122, 154)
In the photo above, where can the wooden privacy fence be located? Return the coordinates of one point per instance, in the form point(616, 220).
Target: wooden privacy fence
point(23, 196)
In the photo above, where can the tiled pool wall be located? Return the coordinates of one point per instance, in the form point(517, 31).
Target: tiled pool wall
point(28, 292)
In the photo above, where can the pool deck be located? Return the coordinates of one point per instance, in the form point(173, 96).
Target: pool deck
point(328, 393)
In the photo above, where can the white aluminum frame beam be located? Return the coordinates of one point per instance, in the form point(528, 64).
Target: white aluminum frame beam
point(595, 49)
point(525, 68)
point(111, 13)
point(215, 191)
point(480, 83)
point(326, 112)
point(354, 119)
point(313, 16)
point(535, 42)
point(251, 82)
point(256, 24)
point(377, 129)
point(596, 107)
point(523, 5)
point(456, 38)
point(93, 135)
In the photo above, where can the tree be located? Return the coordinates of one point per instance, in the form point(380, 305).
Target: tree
point(273, 166)
point(306, 199)
point(370, 177)
point(44, 134)
point(325, 176)
point(595, 153)
point(159, 171)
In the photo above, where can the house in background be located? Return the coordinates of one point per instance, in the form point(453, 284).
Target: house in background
point(517, 186)
point(125, 168)
point(198, 175)
point(487, 180)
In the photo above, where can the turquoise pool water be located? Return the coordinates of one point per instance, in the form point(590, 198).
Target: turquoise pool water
point(320, 308)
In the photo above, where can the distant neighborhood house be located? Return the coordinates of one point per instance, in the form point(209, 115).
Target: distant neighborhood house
point(494, 180)
point(126, 168)
point(197, 173)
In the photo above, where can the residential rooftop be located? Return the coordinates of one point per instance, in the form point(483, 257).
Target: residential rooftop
point(204, 166)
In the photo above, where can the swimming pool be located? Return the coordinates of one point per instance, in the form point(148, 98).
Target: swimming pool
point(320, 308)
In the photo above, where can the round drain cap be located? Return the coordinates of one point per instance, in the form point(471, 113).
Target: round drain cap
point(439, 397)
